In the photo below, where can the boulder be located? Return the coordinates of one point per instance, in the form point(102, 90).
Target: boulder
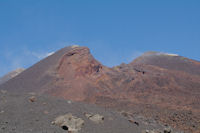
point(167, 130)
point(69, 122)
point(97, 118)
point(32, 99)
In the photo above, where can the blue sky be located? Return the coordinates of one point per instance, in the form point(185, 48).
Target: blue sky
point(116, 31)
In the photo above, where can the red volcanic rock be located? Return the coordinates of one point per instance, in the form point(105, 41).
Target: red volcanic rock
point(163, 86)
point(77, 70)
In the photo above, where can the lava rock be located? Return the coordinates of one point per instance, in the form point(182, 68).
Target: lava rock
point(69, 122)
point(32, 99)
point(97, 118)
point(167, 130)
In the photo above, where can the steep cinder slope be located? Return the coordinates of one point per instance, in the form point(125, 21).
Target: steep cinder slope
point(159, 86)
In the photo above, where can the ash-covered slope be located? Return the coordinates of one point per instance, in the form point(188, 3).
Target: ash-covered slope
point(155, 85)
point(38, 76)
point(32, 113)
point(11, 75)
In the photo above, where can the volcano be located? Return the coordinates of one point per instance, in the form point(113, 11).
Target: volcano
point(161, 86)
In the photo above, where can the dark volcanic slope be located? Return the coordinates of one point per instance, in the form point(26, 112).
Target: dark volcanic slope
point(165, 87)
point(19, 115)
point(38, 76)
